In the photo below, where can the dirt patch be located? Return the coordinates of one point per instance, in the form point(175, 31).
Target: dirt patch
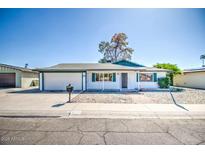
point(120, 98)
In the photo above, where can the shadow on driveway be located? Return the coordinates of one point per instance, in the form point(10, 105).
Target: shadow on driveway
point(37, 91)
point(58, 105)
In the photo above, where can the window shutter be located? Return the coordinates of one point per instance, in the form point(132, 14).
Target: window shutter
point(114, 77)
point(155, 77)
point(137, 76)
point(93, 77)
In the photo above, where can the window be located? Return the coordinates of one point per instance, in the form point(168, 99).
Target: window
point(146, 77)
point(99, 77)
point(106, 77)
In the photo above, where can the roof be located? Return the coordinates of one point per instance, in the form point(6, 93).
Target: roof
point(94, 66)
point(85, 67)
point(202, 69)
point(156, 69)
point(17, 68)
point(128, 63)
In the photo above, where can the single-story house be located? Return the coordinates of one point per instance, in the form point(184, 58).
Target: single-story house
point(19, 77)
point(122, 75)
point(191, 78)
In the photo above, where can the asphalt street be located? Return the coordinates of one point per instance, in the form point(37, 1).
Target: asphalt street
point(101, 131)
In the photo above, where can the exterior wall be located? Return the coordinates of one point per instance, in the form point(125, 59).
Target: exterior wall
point(151, 85)
point(99, 85)
point(161, 74)
point(18, 74)
point(148, 85)
point(41, 81)
point(59, 81)
point(83, 81)
point(191, 80)
point(27, 79)
point(132, 81)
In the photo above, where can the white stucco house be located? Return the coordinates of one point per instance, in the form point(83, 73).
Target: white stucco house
point(122, 75)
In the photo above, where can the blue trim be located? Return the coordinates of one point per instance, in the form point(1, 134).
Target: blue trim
point(93, 77)
point(128, 63)
point(114, 77)
point(155, 77)
point(137, 77)
point(42, 81)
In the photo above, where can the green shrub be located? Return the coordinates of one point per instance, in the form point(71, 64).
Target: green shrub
point(164, 82)
point(34, 83)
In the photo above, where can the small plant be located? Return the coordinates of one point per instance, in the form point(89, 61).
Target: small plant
point(164, 82)
point(34, 83)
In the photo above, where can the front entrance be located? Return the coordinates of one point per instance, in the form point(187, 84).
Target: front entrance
point(124, 80)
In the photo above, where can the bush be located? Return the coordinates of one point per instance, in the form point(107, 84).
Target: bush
point(34, 83)
point(164, 82)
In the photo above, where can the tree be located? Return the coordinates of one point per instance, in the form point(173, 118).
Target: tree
point(116, 49)
point(103, 60)
point(202, 57)
point(173, 67)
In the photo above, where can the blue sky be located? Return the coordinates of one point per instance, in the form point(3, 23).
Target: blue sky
point(44, 37)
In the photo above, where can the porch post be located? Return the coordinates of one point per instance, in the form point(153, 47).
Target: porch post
point(103, 81)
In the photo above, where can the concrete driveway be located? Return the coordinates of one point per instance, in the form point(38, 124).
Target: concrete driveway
point(32, 99)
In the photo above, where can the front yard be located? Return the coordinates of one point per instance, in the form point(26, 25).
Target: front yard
point(187, 96)
point(34, 100)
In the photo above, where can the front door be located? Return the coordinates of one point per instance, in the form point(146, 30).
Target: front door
point(124, 80)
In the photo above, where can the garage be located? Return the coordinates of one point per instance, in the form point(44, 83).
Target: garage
point(7, 80)
point(18, 77)
point(59, 81)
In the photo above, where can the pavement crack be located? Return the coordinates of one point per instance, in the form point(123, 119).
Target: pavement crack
point(45, 135)
point(200, 143)
point(122, 122)
point(168, 132)
point(81, 139)
point(165, 130)
point(6, 132)
point(104, 138)
point(82, 133)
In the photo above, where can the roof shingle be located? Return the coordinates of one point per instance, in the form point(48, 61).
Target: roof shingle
point(94, 66)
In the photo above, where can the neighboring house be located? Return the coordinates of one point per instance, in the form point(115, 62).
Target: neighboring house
point(19, 77)
point(191, 78)
point(124, 75)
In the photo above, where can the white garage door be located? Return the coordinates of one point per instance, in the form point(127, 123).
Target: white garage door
point(59, 81)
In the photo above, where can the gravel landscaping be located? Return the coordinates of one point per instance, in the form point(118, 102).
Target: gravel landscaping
point(190, 96)
point(186, 96)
